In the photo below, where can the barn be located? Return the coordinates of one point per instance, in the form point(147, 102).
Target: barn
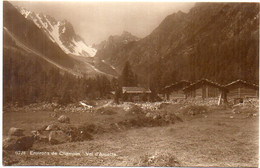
point(240, 89)
point(175, 90)
point(204, 88)
point(136, 94)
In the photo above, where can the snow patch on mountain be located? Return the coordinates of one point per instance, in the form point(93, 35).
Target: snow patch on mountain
point(25, 12)
point(55, 34)
point(80, 47)
point(63, 30)
point(61, 33)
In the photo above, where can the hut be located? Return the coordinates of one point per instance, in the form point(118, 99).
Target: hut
point(175, 91)
point(135, 94)
point(239, 90)
point(204, 88)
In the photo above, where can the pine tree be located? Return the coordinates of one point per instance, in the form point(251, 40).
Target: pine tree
point(128, 78)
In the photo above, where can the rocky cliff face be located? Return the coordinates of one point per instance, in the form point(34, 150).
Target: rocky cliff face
point(218, 41)
point(107, 49)
point(30, 38)
point(60, 32)
point(37, 43)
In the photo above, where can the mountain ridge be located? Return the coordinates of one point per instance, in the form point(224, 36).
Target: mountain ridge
point(24, 36)
point(184, 45)
point(60, 32)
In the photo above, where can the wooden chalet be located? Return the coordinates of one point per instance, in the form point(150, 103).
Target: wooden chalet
point(204, 88)
point(136, 94)
point(175, 90)
point(240, 89)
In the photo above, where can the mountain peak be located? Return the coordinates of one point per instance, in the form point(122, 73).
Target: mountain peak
point(126, 33)
point(180, 12)
point(209, 34)
point(60, 32)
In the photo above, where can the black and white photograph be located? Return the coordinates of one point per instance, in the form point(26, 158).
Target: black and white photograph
point(130, 83)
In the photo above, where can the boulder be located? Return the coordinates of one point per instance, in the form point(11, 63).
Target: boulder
point(21, 143)
point(52, 127)
point(15, 132)
point(66, 128)
point(35, 133)
point(54, 114)
point(42, 138)
point(64, 119)
point(39, 137)
point(42, 128)
point(148, 115)
point(58, 137)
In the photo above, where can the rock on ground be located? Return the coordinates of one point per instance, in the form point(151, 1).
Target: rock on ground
point(52, 127)
point(40, 137)
point(21, 143)
point(57, 137)
point(64, 119)
point(15, 132)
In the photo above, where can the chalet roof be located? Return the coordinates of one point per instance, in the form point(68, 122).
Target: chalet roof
point(202, 82)
point(239, 83)
point(135, 90)
point(176, 86)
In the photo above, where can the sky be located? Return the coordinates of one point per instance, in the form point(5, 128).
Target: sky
point(96, 21)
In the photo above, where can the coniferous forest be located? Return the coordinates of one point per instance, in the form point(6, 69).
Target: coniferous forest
point(30, 80)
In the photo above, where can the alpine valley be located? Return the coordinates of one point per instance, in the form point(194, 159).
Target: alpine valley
point(217, 41)
point(185, 95)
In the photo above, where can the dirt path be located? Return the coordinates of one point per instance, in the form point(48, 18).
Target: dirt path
point(211, 140)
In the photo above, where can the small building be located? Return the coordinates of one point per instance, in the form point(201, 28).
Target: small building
point(175, 91)
point(204, 88)
point(136, 94)
point(240, 89)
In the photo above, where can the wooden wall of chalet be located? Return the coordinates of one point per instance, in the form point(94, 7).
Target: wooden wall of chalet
point(213, 92)
point(136, 97)
point(242, 92)
point(205, 92)
point(177, 94)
